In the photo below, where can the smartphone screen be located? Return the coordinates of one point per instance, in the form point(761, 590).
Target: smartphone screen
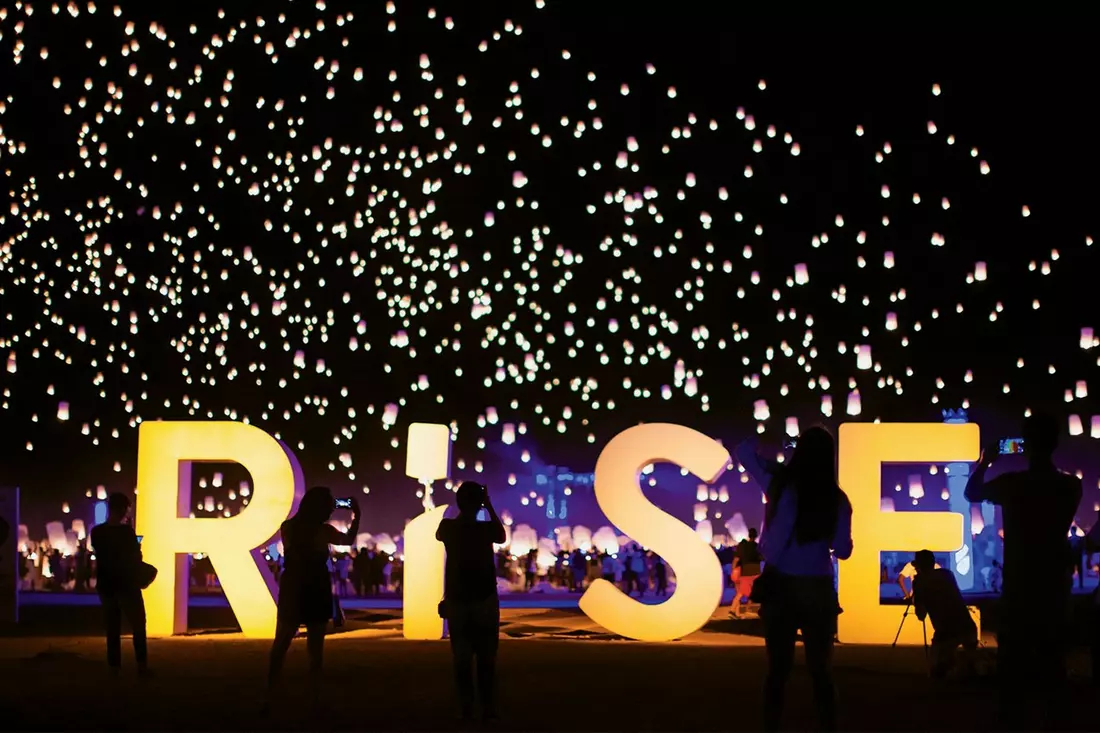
point(343, 503)
point(1011, 446)
point(140, 537)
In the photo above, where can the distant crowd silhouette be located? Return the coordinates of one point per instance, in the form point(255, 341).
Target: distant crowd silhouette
point(789, 573)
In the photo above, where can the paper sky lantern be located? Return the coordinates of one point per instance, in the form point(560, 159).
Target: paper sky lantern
point(792, 427)
point(1075, 427)
point(760, 410)
point(854, 406)
point(491, 415)
point(891, 321)
point(101, 492)
point(508, 433)
point(701, 492)
point(705, 531)
point(606, 540)
point(736, 527)
point(887, 504)
point(65, 507)
point(63, 411)
point(548, 553)
point(564, 537)
point(1094, 426)
point(524, 539)
point(827, 405)
point(888, 260)
point(723, 494)
point(979, 271)
point(801, 274)
point(78, 529)
point(385, 544)
point(1087, 341)
point(208, 504)
point(582, 538)
point(700, 512)
point(863, 357)
point(916, 488)
point(1082, 389)
point(389, 415)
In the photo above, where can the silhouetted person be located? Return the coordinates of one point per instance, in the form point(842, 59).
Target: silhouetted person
point(118, 564)
point(579, 565)
point(305, 587)
point(660, 575)
point(1092, 544)
point(1037, 509)
point(746, 567)
point(470, 604)
point(936, 596)
point(532, 574)
point(807, 519)
point(1077, 557)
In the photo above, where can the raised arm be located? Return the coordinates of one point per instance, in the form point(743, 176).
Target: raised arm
point(756, 466)
point(499, 535)
point(977, 490)
point(335, 537)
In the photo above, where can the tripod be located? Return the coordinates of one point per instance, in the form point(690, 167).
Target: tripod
point(905, 615)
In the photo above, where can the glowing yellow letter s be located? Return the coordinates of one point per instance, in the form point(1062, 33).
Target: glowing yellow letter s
point(166, 451)
point(695, 564)
point(864, 447)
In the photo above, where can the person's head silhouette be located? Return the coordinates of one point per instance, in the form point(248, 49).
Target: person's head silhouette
point(470, 497)
point(1040, 434)
point(317, 505)
point(752, 534)
point(118, 506)
point(814, 455)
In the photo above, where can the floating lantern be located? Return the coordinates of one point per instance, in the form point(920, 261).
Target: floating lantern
point(886, 504)
point(979, 271)
point(700, 512)
point(508, 433)
point(62, 411)
point(801, 275)
point(863, 357)
point(1094, 427)
point(1075, 427)
point(792, 426)
point(701, 492)
point(705, 530)
point(854, 405)
point(760, 410)
point(1087, 341)
point(916, 488)
point(1082, 389)
point(891, 321)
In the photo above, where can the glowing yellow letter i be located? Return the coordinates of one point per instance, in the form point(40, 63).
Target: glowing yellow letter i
point(864, 448)
point(166, 451)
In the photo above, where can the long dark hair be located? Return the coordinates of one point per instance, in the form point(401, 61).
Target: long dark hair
point(811, 474)
point(316, 506)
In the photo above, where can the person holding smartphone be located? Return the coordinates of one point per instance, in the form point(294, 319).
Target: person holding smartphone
point(470, 603)
point(305, 587)
point(118, 583)
point(1037, 508)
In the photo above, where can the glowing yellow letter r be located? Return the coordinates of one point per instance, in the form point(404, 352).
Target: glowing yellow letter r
point(695, 564)
point(864, 447)
point(166, 451)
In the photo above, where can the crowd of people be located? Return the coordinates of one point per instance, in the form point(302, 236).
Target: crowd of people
point(790, 574)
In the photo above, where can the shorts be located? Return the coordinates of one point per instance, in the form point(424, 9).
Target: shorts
point(744, 585)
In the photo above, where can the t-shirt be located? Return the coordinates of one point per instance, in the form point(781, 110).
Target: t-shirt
point(118, 556)
point(748, 552)
point(470, 572)
point(1037, 509)
point(910, 572)
point(936, 593)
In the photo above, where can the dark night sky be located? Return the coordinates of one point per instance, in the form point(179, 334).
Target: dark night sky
point(1024, 100)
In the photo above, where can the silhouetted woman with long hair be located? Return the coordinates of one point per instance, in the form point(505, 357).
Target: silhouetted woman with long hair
point(305, 586)
point(808, 519)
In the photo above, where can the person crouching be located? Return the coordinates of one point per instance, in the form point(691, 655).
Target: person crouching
point(936, 596)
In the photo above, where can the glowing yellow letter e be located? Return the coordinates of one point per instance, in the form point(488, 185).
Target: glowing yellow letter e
point(698, 572)
point(864, 447)
point(166, 451)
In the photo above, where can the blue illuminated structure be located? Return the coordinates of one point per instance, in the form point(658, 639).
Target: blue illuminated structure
point(962, 561)
point(556, 479)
